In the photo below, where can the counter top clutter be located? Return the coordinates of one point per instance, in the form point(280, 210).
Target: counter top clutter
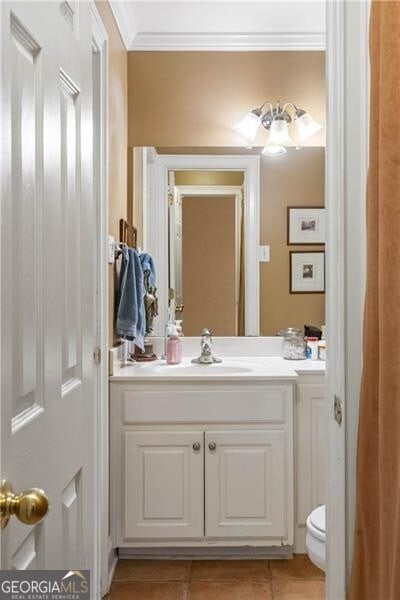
point(232, 368)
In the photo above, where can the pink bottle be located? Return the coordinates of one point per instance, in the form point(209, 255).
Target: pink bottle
point(174, 346)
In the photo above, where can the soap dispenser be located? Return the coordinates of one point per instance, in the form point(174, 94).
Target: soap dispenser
point(174, 345)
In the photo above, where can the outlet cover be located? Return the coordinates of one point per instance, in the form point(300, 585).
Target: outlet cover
point(263, 253)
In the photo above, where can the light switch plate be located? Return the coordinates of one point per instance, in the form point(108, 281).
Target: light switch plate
point(111, 250)
point(263, 253)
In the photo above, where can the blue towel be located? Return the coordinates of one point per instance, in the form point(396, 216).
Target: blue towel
point(131, 320)
point(148, 265)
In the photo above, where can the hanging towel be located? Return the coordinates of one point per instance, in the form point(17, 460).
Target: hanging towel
point(148, 265)
point(131, 321)
point(150, 299)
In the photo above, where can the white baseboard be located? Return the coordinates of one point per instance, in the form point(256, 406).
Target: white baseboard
point(300, 540)
point(112, 563)
point(227, 553)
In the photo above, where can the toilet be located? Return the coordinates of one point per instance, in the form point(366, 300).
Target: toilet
point(315, 539)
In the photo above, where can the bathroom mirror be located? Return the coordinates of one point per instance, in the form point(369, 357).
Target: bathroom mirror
point(216, 221)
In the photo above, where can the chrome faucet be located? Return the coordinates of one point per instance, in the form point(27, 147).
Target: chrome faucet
point(206, 357)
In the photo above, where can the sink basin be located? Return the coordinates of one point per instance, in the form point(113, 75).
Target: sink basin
point(191, 369)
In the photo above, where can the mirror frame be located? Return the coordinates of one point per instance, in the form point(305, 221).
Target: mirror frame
point(155, 220)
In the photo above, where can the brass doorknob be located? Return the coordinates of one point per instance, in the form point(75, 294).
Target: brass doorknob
point(29, 507)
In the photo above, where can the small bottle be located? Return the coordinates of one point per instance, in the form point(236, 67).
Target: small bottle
point(322, 350)
point(312, 348)
point(174, 346)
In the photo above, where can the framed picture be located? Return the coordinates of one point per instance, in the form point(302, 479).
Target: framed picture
point(307, 272)
point(305, 225)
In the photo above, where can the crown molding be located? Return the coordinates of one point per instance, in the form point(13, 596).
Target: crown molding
point(125, 21)
point(134, 39)
point(227, 42)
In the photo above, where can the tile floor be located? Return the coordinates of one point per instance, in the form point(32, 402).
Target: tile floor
point(296, 579)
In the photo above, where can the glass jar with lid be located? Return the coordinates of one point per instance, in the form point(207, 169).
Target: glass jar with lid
point(294, 344)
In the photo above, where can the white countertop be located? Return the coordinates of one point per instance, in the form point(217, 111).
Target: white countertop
point(231, 369)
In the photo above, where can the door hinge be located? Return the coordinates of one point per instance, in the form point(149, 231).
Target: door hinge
point(338, 410)
point(97, 355)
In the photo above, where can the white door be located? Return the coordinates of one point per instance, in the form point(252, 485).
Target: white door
point(164, 484)
point(245, 484)
point(47, 280)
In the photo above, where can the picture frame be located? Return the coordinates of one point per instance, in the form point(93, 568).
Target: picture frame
point(307, 272)
point(305, 225)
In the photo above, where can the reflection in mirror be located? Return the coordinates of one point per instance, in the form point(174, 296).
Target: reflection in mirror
point(206, 274)
point(205, 226)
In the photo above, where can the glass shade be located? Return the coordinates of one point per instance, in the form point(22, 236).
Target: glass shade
point(273, 150)
point(279, 132)
point(306, 126)
point(247, 128)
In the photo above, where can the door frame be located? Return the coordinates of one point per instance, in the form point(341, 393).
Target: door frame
point(155, 238)
point(105, 558)
point(347, 72)
point(205, 190)
point(347, 67)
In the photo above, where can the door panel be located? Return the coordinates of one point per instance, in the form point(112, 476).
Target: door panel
point(70, 205)
point(48, 280)
point(245, 484)
point(164, 482)
point(26, 91)
point(30, 554)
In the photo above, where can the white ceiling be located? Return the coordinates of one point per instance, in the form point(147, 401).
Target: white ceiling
point(221, 24)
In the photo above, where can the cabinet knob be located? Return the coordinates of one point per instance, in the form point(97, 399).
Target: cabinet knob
point(212, 446)
point(196, 446)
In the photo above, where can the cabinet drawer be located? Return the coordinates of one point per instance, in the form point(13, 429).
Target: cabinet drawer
point(236, 405)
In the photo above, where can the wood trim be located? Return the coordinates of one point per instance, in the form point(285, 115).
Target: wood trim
point(156, 234)
point(227, 41)
point(100, 45)
point(127, 233)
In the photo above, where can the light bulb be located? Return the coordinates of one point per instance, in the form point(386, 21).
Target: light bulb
point(306, 125)
point(247, 128)
point(273, 150)
point(279, 132)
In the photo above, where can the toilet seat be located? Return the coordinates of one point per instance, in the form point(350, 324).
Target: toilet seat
point(315, 538)
point(316, 523)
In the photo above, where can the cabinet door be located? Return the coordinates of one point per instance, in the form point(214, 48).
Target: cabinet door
point(311, 444)
point(245, 484)
point(164, 483)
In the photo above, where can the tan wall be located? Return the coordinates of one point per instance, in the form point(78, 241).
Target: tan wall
point(209, 178)
point(296, 179)
point(117, 135)
point(208, 269)
point(194, 98)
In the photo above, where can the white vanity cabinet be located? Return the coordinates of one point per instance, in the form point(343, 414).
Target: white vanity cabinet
point(202, 464)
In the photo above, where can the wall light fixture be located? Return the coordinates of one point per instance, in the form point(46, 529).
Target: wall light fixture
point(276, 121)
